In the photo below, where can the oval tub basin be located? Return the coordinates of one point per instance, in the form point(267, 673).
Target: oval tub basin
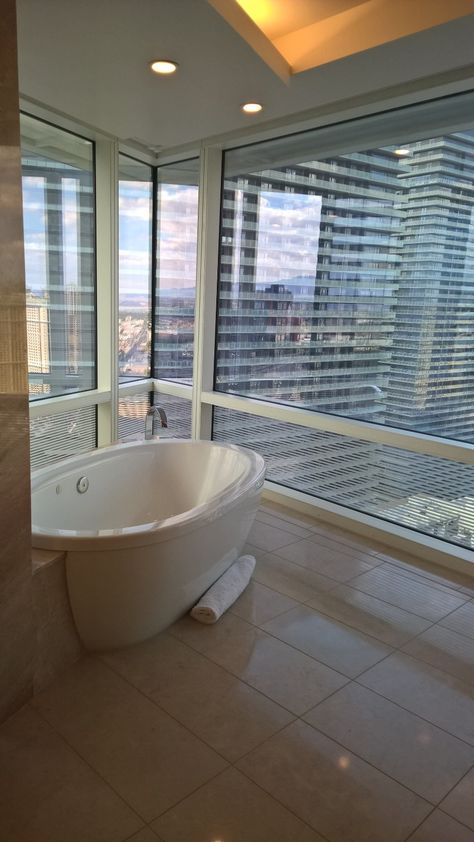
point(157, 524)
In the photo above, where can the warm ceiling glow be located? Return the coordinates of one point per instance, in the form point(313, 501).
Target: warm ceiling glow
point(252, 107)
point(402, 152)
point(164, 66)
point(261, 11)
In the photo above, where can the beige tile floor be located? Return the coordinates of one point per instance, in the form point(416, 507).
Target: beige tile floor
point(335, 701)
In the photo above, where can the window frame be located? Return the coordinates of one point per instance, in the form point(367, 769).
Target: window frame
point(202, 393)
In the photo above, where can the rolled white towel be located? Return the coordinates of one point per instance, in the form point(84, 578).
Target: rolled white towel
point(223, 593)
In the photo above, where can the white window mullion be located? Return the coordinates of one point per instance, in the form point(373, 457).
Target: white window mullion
point(107, 286)
point(206, 287)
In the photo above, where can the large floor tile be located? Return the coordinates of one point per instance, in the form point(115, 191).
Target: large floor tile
point(291, 526)
point(147, 757)
point(290, 579)
point(432, 694)
point(344, 649)
point(201, 636)
point(409, 749)
point(233, 809)
point(445, 649)
point(336, 793)
point(326, 560)
point(249, 549)
point(288, 514)
point(221, 710)
point(424, 599)
point(373, 616)
point(268, 537)
point(286, 675)
point(442, 828)
point(349, 539)
point(145, 835)
point(423, 571)
point(258, 603)
point(461, 620)
point(48, 794)
point(460, 802)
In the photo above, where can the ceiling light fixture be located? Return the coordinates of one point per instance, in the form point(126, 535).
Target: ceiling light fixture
point(251, 107)
point(164, 66)
point(402, 152)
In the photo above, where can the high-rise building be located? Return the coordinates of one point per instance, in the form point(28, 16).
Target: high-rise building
point(379, 326)
point(431, 382)
point(37, 332)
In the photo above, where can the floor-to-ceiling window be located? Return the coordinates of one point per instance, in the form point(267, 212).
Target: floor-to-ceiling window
point(59, 235)
point(345, 301)
point(135, 218)
point(135, 266)
point(175, 295)
point(176, 250)
point(59, 230)
point(346, 287)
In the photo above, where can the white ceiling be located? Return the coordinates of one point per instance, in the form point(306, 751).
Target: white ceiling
point(88, 59)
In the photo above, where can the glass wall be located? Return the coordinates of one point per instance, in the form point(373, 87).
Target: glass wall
point(425, 493)
point(176, 249)
point(59, 233)
point(347, 283)
point(346, 287)
point(135, 250)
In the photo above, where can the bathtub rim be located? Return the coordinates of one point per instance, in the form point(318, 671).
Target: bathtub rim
point(144, 534)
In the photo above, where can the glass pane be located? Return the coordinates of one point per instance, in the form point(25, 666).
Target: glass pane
point(176, 270)
point(135, 220)
point(347, 281)
point(425, 493)
point(133, 409)
point(55, 437)
point(59, 232)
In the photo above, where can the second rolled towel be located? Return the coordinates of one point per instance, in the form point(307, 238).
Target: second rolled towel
point(223, 593)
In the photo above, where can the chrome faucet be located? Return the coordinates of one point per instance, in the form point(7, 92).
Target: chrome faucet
point(150, 420)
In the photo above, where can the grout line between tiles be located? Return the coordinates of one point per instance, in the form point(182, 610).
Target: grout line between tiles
point(410, 835)
point(459, 821)
point(424, 718)
point(233, 675)
point(385, 554)
point(417, 575)
point(160, 708)
point(92, 768)
point(438, 807)
point(309, 569)
point(189, 794)
point(351, 583)
point(361, 557)
point(274, 797)
point(377, 768)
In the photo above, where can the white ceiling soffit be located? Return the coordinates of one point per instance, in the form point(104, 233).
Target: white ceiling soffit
point(89, 60)
point(309, 33)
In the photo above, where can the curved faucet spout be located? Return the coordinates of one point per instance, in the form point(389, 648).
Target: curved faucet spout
point(150, 420)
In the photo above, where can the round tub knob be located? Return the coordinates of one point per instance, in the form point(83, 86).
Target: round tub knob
point(82, 485)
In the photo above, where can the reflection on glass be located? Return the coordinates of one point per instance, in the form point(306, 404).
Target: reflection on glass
point(58, 218)
point(135, 224)
point(347, 284)
point(426, 493)
point(176, 270)
point(347, 287)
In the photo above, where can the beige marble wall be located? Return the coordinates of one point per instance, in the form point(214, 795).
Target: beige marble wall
point(57, 641)
point(16, 614)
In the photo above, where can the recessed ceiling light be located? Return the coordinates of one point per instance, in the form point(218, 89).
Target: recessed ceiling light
point(251, 107)
point(164, 66)
point(402, 152)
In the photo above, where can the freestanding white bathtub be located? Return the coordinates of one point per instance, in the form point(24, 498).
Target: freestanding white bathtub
point(147, 527)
